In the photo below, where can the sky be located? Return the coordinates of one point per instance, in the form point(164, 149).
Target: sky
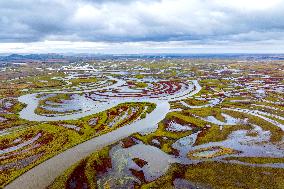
point(141, 26)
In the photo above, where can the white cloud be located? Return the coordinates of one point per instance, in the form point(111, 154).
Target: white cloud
point(138, 21)
point(249, 5)
point(268, 46)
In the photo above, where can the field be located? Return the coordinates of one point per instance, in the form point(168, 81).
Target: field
point(142, 123)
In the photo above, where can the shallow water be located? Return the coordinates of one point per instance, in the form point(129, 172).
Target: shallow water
point(99, 101)
point(229, 120)
point(157, 164)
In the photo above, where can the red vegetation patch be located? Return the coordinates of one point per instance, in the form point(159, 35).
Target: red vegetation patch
point(139, 174)
point(78, 179)
point(128, 142)
point(102, 166)
point(140, 162)
point(47, 138)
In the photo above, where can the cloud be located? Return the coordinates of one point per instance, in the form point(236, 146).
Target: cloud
point(267, 46)
point(109, 21)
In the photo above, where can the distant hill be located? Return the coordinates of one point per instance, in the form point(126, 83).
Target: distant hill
point(53, 57)
point(41, 57)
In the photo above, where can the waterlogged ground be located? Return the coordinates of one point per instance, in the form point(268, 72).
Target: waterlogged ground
point(165, 123)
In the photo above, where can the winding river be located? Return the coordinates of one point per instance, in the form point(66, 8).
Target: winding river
point(44, 174)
